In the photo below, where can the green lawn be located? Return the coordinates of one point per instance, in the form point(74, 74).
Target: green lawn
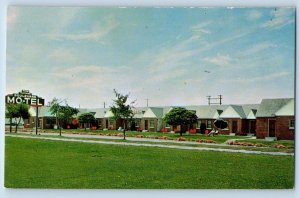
point(32, 163)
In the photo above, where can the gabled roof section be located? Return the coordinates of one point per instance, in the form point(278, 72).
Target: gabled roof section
point(210, 111)
point(287, 110)
point(250, 110)
point(154, 112)
point(43, 111)
point(139, 112)
point(166, 110)
point(98, 112)
point(233, 111)
point(108, 114)
point(269, 107)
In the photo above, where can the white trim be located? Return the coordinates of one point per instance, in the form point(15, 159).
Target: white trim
point(291, 127)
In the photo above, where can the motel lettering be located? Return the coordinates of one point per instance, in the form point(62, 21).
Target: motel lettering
point(24, 97)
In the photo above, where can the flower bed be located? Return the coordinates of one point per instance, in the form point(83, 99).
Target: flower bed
point(252, 144)
point(163, 138)
point(205, 141)
point(279, 146)
point(181, 139)
point(120, 135)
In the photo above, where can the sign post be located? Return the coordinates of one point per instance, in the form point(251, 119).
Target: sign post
point(25, 97)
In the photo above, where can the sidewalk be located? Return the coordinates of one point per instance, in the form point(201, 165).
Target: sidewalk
point(132, 138)
point(149, 145)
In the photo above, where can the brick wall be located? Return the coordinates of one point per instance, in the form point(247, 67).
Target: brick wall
point(150, 129)
point(229, 130)
point(261, 128)
point(283, 130)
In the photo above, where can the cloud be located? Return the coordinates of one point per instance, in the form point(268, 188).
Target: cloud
point(254, 15)
point(258, 78)
point(66, 17)
point(280, 18)
point(82, 70)
point(200, 30)
point(257, 48)
point(98, 31)
point(220, 60)
point(61, 54)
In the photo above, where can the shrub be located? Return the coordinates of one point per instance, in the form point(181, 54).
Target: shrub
point(192, 131)
point(164, 130)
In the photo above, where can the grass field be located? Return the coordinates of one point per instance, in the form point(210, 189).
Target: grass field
point(31, 163)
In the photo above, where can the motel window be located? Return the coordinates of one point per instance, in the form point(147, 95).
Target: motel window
point(111, 122)
point(137, 123)
point(292, 124)
point(151, 123)
point(167, 125)
point(209, 124)
point(198, 124)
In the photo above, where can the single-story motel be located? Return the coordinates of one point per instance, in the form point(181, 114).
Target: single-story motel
point(272, 118)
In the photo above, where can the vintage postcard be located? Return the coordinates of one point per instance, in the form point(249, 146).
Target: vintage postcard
point(150, 98)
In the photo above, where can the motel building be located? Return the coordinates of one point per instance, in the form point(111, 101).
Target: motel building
point(271, 119)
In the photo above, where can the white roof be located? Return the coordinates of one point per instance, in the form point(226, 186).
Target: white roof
point(216, 115)
point(109, 114)
point(287, 110)
point(230, 112)
point(149, 114)
point(251, 115)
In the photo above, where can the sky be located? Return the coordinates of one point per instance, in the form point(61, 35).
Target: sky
point(171, 56)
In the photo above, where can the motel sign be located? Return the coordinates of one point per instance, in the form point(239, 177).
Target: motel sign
point(24, 97)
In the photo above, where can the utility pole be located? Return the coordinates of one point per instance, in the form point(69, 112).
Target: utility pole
point(104, 105)
point(147, 101)
point(220, 98)
point(208, 98)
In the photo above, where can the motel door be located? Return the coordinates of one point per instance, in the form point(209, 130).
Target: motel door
point(271, 128)
point(234, 127)
point(146, 124)
point(252, 127)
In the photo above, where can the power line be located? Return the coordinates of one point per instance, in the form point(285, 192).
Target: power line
point(219, 99)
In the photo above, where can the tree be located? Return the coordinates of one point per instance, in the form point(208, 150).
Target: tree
point(55, 105)
point(180, 116)
point(11, 112)
point(86, 118)
point(63, 113)
point(17, 112)
point(121, 109)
